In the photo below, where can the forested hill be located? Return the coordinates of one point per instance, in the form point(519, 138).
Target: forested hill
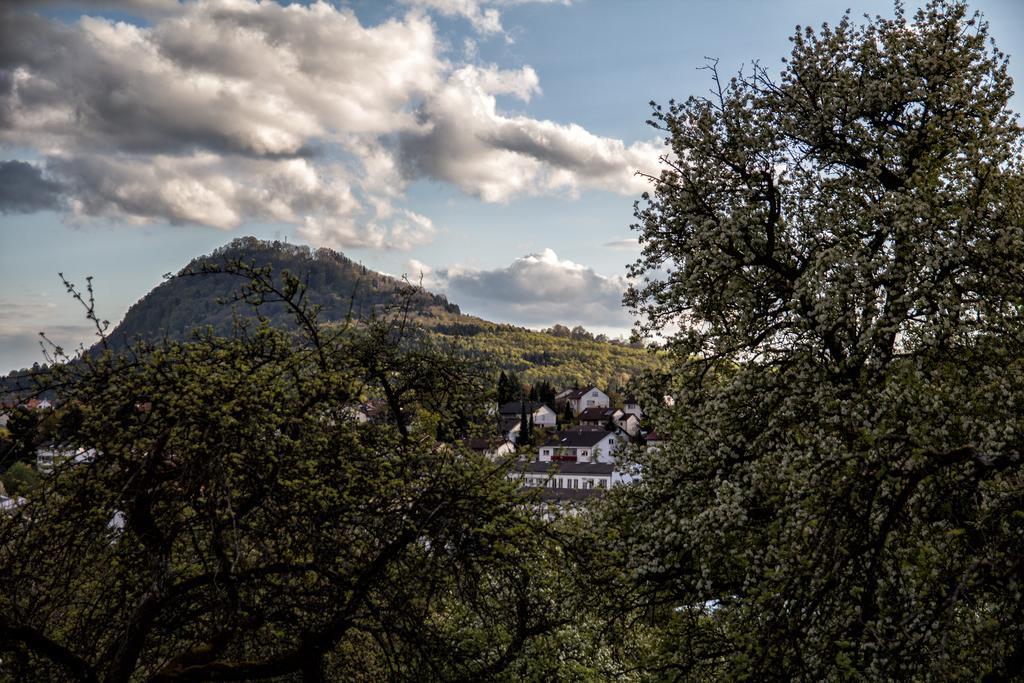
point(340, 286)
point(335, 283)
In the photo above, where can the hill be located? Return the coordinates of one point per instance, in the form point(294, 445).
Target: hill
point(339, 285)
point(535, 356)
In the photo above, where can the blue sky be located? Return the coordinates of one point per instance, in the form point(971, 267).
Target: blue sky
point(489, 144)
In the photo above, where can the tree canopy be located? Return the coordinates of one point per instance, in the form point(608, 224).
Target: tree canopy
point(239, 523)
point(837, 254)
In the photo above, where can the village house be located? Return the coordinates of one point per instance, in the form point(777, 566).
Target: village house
point(654, 441)
point(629, 423)
point(510, 416)
point(581, 445)
point(632, 407)
point(49, 458)
point(599, 417)
point(581, 399)
point(567, 476)
point(493, 447)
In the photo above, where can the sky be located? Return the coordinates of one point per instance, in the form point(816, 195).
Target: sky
point(491, 148)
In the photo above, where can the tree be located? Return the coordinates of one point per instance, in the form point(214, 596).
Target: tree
point(525, 426)
point(19, 479)
point(237, 522)
point(842, 250)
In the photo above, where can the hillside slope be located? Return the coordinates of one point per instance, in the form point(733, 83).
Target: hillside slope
point(336, 283)
point(340, 286)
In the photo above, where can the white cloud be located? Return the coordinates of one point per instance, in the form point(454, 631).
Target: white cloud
point(496, 157)
point(539, 289)
point(202, 188)
point(405, 230)
point(481, 14)
point(627, 244)
point(483, 19)
point(216, 112)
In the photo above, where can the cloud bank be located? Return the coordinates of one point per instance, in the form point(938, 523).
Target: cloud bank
point(538, 289)
point(221, 111)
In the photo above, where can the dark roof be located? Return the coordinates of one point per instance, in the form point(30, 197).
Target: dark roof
point(630, 399)
point(515, 407)
point(654, 436)
point(580, 393)
point(592, 468)
point(484, 443)
point(597, 413)
point(577, 438)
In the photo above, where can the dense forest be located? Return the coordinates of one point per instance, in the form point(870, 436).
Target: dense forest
point(196, 299)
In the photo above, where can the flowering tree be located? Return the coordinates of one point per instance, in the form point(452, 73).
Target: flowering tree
point(838, 255)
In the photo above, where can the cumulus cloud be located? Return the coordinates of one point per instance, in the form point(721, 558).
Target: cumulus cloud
point(466, 141)
point(539, 289)
point(241, 77)
point(215, 112)
point(483, 15)
point(23, 189)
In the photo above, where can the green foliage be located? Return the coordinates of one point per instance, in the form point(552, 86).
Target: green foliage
point(19, 479)
point(238, 523)
point(537, 357)
point(336, 285)
point(842, 249)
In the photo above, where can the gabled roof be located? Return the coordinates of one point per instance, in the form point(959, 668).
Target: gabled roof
point(484, 444)
point(580, 393)
point(577, 438)
point(597, 413)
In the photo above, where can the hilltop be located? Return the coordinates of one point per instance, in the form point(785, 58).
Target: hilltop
point(341, 287)
point(336, 283)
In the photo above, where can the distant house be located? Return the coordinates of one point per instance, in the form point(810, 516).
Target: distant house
point(629, 423)
point(49, 458)
point(510, 415)
point(493, 447)
point(566, 475)
point(599, 417)
point(580, 445)
point(654, 440)
point(632, 407)
point(581, 399)
point(11, 503)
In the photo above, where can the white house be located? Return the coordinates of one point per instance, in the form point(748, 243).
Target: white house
point(632, 407)
point(599, 416)
point(566, 475)
point(48, 458)
point(562, 478)
point(580, 445)
point(493, 448)
point(511, 417)
point(591, 397)
point(629, 423)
